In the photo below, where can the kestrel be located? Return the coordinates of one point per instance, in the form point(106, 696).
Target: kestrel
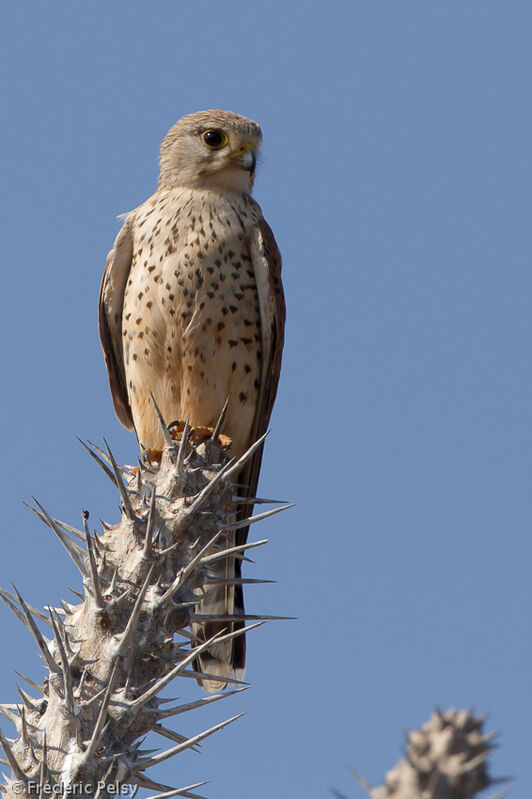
point(192, 311)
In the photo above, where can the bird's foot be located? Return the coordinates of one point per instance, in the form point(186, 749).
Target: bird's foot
point(198, 433)
point(150, 456)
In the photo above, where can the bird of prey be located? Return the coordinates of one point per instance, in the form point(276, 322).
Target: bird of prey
point(192, 312)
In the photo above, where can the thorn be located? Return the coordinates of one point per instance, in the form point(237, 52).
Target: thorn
point(66, 607)
point(168, 594)
point(221, 419)
point(170, 734)
point(29, 701)
point(206, 700)
point(112, 585)
point(189, 636)
point(187, 571)
point(472, 764)
point(135, 613)
point(13, 764)
point(162, 756)
point(138, 703)
point(98, 542)
point(77, 593)
point(64, 635)
point(168, 443)
point(33, 684)
point(43, 771)
point(96, 586)
point(99, 461)
point(234, 617)
point(69, 529)
point(81, 683)
point(162, 552)
point(88, 702)
point(362, 781)
point(67, 676)
point(147, 553)
point(126, 502)
point(52, 665)
point(36, 612)
point(119, 599)
point(257, 501)
point(105, 781)
point(75, 552)
point(182, 447)
point(489, 737)
point(232, 551)
point(143, 781)
point(246, 456)
point(178, 791)
point(205, 492)
point(25, 737)
point(14, 609)
point(191, 604)
point(100, 721)
point(66, 527)
point(235, 581)
point(102, 454)
point(139, 478)
point(257, 518)
point(8, 714)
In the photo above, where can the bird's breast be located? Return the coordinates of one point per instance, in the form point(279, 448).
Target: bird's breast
point(191, 318)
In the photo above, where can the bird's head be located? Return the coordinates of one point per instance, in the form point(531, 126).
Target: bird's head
point(210, 150)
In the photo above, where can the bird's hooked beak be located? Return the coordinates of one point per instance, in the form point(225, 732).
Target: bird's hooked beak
point(245, 158)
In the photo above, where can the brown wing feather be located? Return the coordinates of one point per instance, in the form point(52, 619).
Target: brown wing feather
point(266, 257)
point(267, 266)
point(111, 302)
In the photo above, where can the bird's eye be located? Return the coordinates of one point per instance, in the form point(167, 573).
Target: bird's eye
point(215, 139)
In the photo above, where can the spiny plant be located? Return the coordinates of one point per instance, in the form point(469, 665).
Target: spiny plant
point(110, 656)
point(446, 758)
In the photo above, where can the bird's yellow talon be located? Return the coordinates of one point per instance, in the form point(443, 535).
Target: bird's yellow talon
point(198, 433)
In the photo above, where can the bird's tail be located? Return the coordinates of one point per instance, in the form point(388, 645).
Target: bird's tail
point(222, 598)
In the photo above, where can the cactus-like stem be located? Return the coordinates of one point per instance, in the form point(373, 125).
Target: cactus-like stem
point(446, 758)
point(111, 654)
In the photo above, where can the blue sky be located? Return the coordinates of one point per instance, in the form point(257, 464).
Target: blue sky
point(396, 174)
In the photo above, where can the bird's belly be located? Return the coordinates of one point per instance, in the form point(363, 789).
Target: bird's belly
point(198, 342)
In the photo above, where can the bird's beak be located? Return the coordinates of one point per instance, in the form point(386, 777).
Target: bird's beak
point(245, 157)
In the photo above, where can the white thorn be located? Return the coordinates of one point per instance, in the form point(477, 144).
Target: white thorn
point(126, 502)
point(52, 665)
point(135, 613)
point(233, 551)
point(166, 435)
point(257, 518)
point(182, 447)
point(177, 791)
point(162, 756)
point(100, 721)
point(73, 549)
point(147, 553)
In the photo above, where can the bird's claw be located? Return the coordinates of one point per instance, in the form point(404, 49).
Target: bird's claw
point(197, 433)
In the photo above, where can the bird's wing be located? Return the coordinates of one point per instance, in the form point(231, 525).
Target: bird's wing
point(266, 260)
point(110, 307)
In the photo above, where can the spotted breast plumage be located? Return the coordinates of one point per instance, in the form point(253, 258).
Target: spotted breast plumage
point(192, 311)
